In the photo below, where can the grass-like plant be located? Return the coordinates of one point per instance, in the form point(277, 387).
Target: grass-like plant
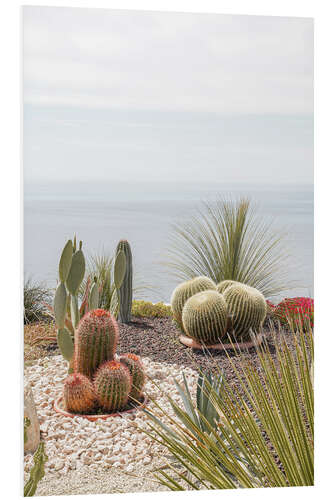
point(34, 296)
point(265, 433)
point(226, 240)
point(101, 266)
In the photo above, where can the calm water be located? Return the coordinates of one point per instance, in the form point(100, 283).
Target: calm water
point(146, 223)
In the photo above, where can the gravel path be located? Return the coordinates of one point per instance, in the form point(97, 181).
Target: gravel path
point(97, 457)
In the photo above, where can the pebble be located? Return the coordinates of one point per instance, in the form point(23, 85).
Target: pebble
point(76, 443)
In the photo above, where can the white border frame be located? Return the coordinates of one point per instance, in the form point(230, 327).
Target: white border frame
point(12, 242)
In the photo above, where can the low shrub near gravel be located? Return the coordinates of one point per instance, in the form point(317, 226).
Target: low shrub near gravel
point(144, 309)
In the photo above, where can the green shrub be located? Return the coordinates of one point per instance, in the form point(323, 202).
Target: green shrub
point(34, 297)
point(144, 309)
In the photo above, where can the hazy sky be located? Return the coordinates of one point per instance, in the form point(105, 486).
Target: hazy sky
point(147, 96)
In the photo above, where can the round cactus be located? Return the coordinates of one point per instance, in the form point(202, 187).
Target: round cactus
point(112, 385)
point(205, 317)
point(135, 366)
point(247, 309)
point(223, 285)
point(186, 290)
point(79, 394)
point(95, 341)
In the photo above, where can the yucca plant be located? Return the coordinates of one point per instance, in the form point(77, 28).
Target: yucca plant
point(265, 434)
point(226, 240)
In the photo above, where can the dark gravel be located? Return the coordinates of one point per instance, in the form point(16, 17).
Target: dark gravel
point(158, 339)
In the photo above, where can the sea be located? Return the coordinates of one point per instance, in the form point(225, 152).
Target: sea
point(101, 214)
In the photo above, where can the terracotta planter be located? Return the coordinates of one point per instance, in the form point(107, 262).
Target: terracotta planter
point(58, 405)
point(221, 347)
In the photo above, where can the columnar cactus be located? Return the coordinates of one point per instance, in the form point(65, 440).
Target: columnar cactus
point(112, 384)
point(124, 280)
point(247, 309)
point(79, 394)
point(95, 341)
point(135, 366)
point(186, 290)
point(223, 285)
point(205, 317)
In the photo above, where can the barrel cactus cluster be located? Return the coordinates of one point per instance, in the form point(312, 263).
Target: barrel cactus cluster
point(101, 381)
point(211, 314)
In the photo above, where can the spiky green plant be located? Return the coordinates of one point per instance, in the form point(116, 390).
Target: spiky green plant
point(226, 240)
point(205, 317)
point(124, 269)
point(79, 394)
point(247, 310)
point(265, 435)
point(136, 369)
point(96, 339)
point(37, 472)
point(112, 383)
point(35, 295)
point(184, 291)
point(100, 269)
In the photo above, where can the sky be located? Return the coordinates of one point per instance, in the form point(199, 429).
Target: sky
point(150, 97)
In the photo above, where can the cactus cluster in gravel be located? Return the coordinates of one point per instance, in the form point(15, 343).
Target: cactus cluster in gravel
point(89, 448)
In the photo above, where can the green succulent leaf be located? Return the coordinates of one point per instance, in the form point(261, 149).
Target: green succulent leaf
point(65, 343)
point(65, 261)
point(93, 297)
point(59, 305)
point(76, 273)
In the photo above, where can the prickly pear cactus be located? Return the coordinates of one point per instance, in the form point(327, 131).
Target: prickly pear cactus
point(93, 296)
point(205, 317)
point(96, 339)
point(112, 384)
point(184, 291)
point(79, 394)
point(247, 310)
point(125, 290)
point(135, 366)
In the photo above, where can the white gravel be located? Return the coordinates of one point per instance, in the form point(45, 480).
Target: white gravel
point(97, 457)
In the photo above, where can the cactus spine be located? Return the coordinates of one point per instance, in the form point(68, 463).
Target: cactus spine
point(186, 290)
point(135, 366)
point(112, 385)
point(79, 394)
point(125, 290)
point(247, 309)
point(95, 341)
point(205, 317)
point(223, 285)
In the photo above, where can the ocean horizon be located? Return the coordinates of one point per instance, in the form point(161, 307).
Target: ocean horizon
point(102, 214)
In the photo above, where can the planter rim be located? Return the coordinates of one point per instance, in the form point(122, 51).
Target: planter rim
point(189, 342)
point(92, 418)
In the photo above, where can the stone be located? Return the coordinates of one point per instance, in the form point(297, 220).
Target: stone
point(33, 431)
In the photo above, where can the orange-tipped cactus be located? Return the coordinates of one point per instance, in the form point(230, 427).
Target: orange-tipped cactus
point(95, 341)
point(112, 384)
point(79, 394)
point(135, 366)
